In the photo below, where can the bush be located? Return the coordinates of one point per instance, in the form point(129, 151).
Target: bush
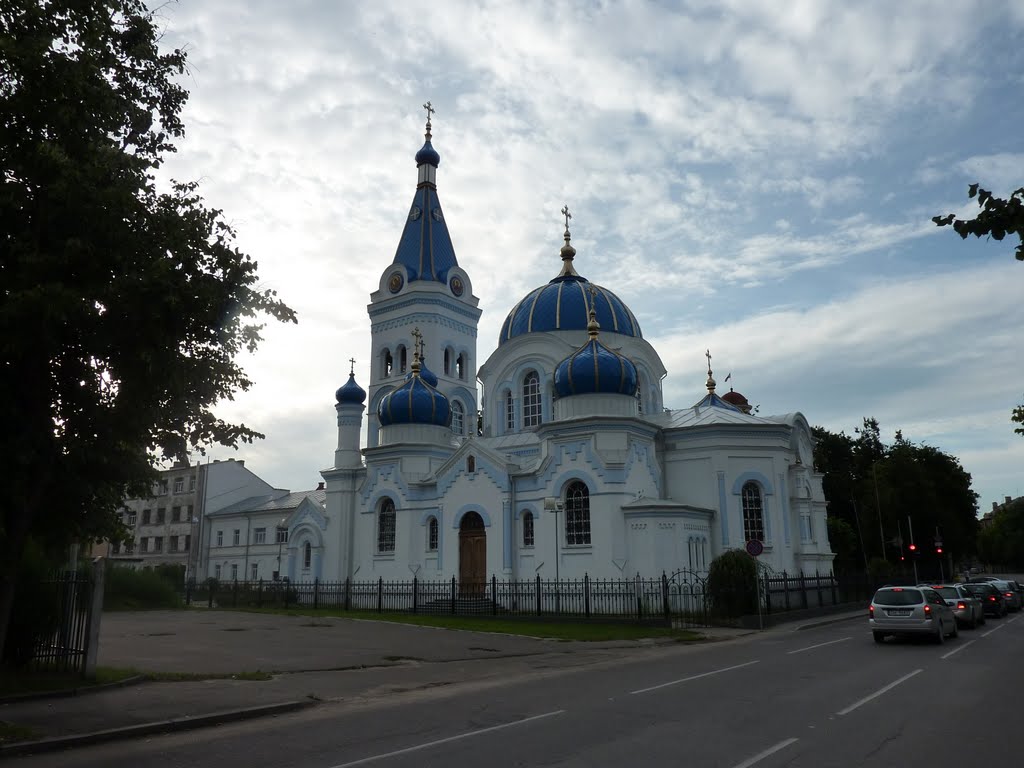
point(879, 570)
point(129, 590)
point(36, 610)
point(732, 584)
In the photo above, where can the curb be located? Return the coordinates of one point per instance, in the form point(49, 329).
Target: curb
point(145, 729)
point(826, 622)
point(66, 693)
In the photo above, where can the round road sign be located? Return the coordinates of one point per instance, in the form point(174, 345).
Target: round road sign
point(754, 547)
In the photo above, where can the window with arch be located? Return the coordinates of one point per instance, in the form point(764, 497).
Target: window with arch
point(386, 526)
point(531, 400)
point(458, 418)
point(402, 359)
point(432, 534)
point(448, 361)
point(307, 556)
point(462, 366)
point(577, 514)
point(386, 363)
point(753, 512)
point(527, 529)
point(510, 412)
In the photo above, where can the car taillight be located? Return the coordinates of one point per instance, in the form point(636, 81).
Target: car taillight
point(871, 611)
point(992, 598)
point(927, 611)
point(961, 607)
point(1009, 594)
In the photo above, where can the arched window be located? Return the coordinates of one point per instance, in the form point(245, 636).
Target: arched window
point(432, 529)
point(527, 529)
point(471, 464)
point(401, 359)
point(461, 366)
point(531, 400)
point(753, 513)
point(386, 363)
point(448, 361)
point(307, 556)
point(386, 526)
point(577, 514)
point(458, 418)
point(510, 413)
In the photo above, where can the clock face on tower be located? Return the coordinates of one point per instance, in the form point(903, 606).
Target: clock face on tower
point(456, 285)
point(395, 282)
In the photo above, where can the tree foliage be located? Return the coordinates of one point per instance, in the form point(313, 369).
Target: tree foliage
point(732, 584)
point(1001, 543)
point(997, 219)
point(122, 306)
point(881, 490)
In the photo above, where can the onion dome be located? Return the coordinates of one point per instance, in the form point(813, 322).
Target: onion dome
point(425, 373)
point(736, 399)
point(428, 155)
point(415, 402)
point(593, 368)
point(350, 392)
point(562, 304)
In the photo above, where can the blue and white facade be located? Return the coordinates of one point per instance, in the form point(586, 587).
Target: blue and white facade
point(575, 467)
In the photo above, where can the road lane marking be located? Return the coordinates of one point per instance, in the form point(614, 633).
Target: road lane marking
point(819, 645)
point(957, 650)
point(762, 755)
point(436, 742)
point(1013, 619)
point(693, 677)
point(878, 693)
point(994, 629)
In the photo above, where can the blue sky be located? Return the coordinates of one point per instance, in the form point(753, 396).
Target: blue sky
point(755, 178)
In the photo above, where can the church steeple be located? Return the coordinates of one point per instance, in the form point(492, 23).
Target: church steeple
point(425, 249)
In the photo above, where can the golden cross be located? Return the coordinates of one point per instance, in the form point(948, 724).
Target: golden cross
point(353, 369)
point(567, 215)
point(708, 356)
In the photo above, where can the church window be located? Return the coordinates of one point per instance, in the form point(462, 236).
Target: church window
point(510, 413)
point(527, 529)
point(577, 514)
point(458, 418)
point(386, 526)
point(806, 529)
point(432, 530)
point(386, 363)
point(448, 362)
point(531, 400)
point(639, 403)
point(402, 359)
point(461, 365)
point(753, 513)
point(307, 556)
point(471, 464)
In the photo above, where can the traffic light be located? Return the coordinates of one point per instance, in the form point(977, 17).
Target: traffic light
point(938, 550)
point(913, 548)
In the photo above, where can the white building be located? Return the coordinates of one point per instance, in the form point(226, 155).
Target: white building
point(579, 467)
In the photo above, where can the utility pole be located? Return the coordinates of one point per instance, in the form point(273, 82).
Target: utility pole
point(913, 547)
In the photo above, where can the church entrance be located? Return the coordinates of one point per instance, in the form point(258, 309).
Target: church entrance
point(472, 555)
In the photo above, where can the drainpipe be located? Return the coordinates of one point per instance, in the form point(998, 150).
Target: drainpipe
point(248, 529)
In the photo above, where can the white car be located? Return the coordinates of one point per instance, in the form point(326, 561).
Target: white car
point(911, 611)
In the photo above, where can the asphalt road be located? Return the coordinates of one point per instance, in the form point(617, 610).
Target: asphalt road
point(816, 698)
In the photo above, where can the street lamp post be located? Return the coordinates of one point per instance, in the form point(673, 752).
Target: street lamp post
point(281, 531)
point(554, 504)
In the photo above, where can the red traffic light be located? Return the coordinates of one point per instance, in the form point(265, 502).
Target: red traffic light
point(913, 547)
point(938, 550)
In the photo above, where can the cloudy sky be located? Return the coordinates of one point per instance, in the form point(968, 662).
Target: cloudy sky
point(751, 177)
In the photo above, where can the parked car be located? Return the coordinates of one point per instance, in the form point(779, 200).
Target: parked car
point(1008, 590)
point(991, 598)
point(910, 611)
point(967, 608)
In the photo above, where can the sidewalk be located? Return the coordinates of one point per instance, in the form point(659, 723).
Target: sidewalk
point(327, 660)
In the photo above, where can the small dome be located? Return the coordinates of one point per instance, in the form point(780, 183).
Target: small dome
point(734, 398)
point(594, 368)
point(425, 373)
point(428, 155)
point(350, 392)
point(562, 305)
point(415, 402)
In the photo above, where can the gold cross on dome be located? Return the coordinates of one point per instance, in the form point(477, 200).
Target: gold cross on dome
point(430, 110)
point(567, 215)
point(419, 341)
point(352, 371)
point(708, 356)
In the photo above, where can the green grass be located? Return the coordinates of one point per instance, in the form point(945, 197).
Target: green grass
point(13, 683)
point(583, 630)
point(10, 733)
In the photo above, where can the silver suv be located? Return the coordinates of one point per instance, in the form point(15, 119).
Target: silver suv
point(911, 611)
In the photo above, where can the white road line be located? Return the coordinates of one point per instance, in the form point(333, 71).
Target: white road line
point(994, 629)
point(819, 645)
point(957, 650)
point(692, 677)
point(449, 739)
point(762, 755)
point(878, 693)
point(1013, 619)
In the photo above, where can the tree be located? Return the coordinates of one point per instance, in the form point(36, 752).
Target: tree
point(998, 217)
point(1017, 417)
point(122, 307)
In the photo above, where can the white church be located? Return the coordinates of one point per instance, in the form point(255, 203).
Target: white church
point(577, 465)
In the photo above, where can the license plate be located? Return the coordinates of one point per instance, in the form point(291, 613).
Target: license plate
point(899, 612)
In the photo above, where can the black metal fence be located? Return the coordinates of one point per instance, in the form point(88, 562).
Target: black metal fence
point(682, 598)
point(64, 611)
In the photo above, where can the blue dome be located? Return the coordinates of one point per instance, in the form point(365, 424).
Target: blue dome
point(562, 305)
point(593, 368)
point(425, 373)
point(350, 392)
point(428, 155)
point(415, 402)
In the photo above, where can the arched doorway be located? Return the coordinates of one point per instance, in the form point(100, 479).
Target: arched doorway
point(472, 554)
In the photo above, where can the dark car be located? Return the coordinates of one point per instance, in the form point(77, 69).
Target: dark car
point(991, 598)
point(1008, 589)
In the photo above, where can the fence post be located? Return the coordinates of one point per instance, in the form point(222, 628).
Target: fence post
point(415, 584)
point(494, 595)
point(209, 593)
point(316, 593)
point(803, 588)
point(188, 592)
point(817, 584)
point(664, 597)
point(586, 594)
point(835, 596)
point(92, 630)
point(348, 593)
point(785, 584)
point(259, 595)
point(638, 589)
point(234, 593)
point(453, 594)
point(767, 595)
point(538, 595)
point(380, 594)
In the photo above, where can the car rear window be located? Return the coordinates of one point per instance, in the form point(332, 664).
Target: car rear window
point(979, 589)
point(898, 597)
point(949, 592)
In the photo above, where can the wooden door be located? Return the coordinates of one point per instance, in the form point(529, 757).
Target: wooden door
point(472, 555)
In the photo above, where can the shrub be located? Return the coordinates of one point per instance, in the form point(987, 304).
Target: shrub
point(36, 610)
point(732, 584)
point(879, 570)
point(129, 590)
